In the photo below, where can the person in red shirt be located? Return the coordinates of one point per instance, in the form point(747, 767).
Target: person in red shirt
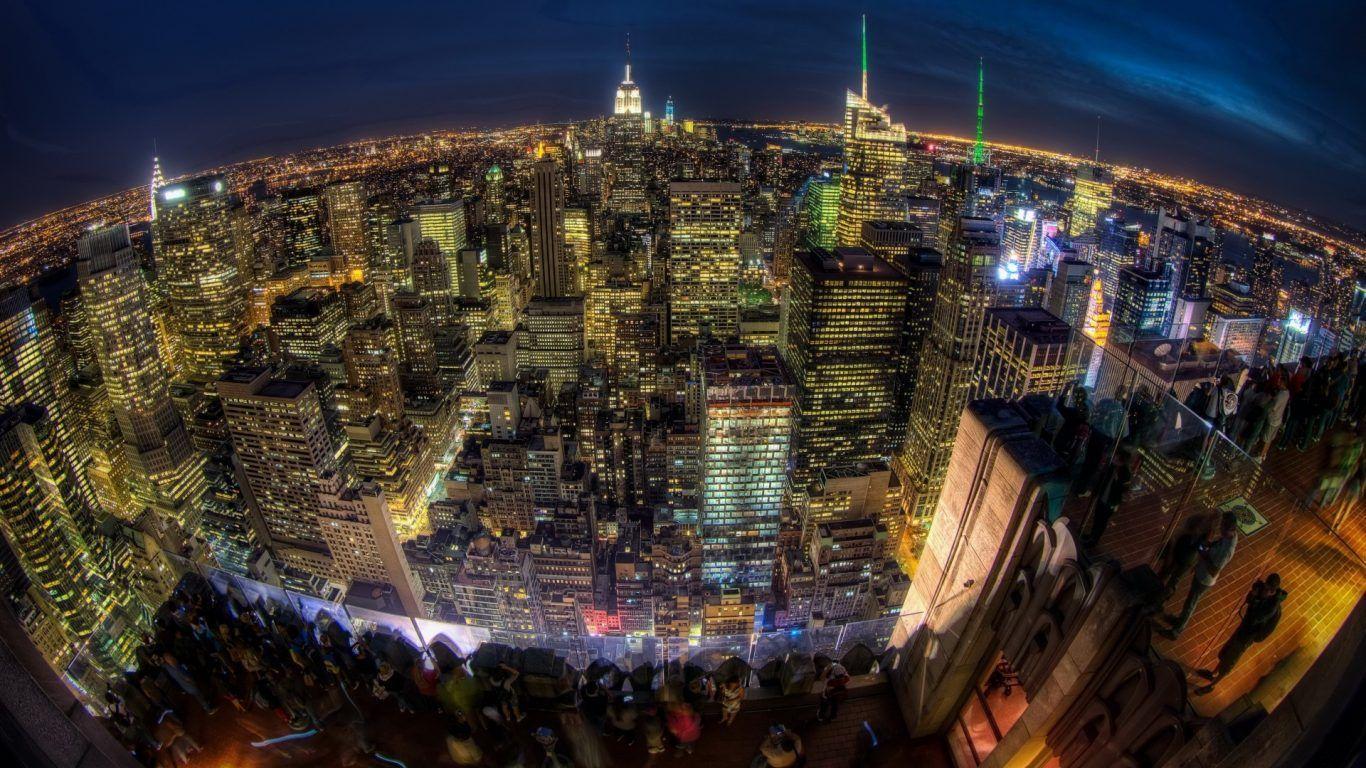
point(685, 724)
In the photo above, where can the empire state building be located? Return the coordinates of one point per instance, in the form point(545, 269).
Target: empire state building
point(628, 93)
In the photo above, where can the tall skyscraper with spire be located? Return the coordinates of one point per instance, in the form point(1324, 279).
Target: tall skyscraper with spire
point(628, 93)
point(625, 146)
point(874, 162)
point(979, 145)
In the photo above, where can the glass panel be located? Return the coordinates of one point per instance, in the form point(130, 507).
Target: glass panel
point(777, 646)
point(461, 638)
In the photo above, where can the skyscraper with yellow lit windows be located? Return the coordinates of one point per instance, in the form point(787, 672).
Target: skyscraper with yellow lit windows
point(198, 272)
point(704, 258)
point(839, 333)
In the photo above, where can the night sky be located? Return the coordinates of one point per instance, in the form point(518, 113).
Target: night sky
point(1260, 96)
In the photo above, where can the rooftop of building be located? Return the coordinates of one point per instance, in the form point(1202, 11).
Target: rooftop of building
point(308, 300)
point(1143, 273)
point(846, 264)
point(704, 187)
point(738, 365)
point(1036, 324)
point(495, 338)
point(861, 469)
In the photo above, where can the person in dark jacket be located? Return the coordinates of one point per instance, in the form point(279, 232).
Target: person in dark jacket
point(1261, 614)
point(1114, 484)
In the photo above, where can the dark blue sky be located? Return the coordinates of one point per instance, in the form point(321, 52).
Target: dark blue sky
point(1263, 96)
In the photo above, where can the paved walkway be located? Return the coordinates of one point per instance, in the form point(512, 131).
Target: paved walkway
point(1322, 569)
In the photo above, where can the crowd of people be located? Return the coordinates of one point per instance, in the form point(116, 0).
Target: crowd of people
point(209, 651)
point(1291, 407)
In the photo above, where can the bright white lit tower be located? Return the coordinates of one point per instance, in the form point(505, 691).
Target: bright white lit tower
point(628, 93)
point(158, 181)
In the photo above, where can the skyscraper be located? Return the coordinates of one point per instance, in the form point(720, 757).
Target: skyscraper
point(282, 441)
point(167, 472)
point(704, 259)
point(302, 221)
point(308, 322)
point(197, 268)
point(38, 516)
point(1025, 352)
point(840, 332)
point(821, 205)
point(625, 147)
point(550, 338)
point(1142, 303)
point(897, 243)
point(874, 163)
point(29, 362)
point(945, 379)
point(628, 93)
point(1091, 197)
point(553, 278)
point(979, 145)
point(443, 222)
point(746, 442)
point(1069, 291)
point(495, 196)
point(354, 522)
point(345, 202)
point(1183, 245)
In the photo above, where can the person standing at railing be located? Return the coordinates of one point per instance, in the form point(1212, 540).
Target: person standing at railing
point(1297, 419)
point(1114, 485)
point(1073, 432)
point(732, 696)
point(458, 694)
point(1261, 613)
point(1340, 391)
point(685, 725)
point(184, 680)
point(1252, 414)
point(1109, 425)
point(622, 719)
point(1223, 405)
point(593, 703)
point(1340, 465)
point(834, 690)
point(1275, 414)
point(1212, 555)
point(1357, 408)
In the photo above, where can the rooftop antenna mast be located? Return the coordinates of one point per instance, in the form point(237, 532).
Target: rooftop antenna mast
point(628, 57)
point(979, 145)
point(1097, 158)
point(865, 57)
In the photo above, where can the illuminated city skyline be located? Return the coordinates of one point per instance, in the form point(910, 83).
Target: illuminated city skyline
point(726, 408)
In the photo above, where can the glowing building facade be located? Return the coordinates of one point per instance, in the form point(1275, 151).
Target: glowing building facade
point(840, 333)
point(198, 271)
point(746, 443)
point(167, 472)
point(704, 259)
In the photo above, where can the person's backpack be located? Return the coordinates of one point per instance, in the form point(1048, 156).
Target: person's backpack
point(1228, 403)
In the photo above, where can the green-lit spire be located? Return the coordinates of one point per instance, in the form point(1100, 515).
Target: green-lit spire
point(865, 57)
point(979, 147)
